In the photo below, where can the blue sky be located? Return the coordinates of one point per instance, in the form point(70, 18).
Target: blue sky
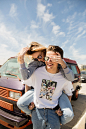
point(55, 22)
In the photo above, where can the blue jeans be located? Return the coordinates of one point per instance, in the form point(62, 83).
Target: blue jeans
point(66, 107)
point(25, 100)
point(48, 119)
point(64, 104)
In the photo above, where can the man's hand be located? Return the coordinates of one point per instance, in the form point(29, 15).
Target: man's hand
point(60, 61)
point(59, 112)
point(31, 106)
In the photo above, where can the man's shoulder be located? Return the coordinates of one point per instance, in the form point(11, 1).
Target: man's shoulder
point(64, 79)
point(40, 69)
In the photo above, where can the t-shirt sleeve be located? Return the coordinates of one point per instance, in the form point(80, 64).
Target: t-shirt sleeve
point(30, 81)
point(68, 88)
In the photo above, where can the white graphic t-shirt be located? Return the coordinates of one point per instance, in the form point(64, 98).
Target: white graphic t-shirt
point(48, 87)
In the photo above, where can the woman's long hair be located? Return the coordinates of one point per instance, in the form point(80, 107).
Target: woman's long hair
point(33, 47)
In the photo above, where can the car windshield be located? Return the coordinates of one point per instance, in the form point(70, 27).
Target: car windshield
point(11, 68)
point(73, 67)
point(83, 72)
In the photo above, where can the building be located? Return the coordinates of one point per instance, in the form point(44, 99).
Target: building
point(82, 67)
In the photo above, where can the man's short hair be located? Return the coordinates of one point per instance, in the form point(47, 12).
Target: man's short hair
point(55, 49)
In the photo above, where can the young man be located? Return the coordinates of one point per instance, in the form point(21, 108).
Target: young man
point(48, 85)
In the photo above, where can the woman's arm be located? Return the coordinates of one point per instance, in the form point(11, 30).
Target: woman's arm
point(32, 66)
point(64, 69)
point(68, 74)
point(27, 72)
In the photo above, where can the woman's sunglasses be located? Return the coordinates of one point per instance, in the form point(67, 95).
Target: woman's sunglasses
point(39, 57)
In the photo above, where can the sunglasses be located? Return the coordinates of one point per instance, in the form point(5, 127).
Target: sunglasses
point(46, 58)
point(39, 57)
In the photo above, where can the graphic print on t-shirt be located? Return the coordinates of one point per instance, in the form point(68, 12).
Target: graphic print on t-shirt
point(47, 89)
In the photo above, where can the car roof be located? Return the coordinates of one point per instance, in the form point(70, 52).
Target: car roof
point(69, 61)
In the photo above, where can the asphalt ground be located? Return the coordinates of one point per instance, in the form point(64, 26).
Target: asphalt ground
point(79, 108)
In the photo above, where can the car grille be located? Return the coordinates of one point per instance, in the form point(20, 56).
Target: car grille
point(3, 92)
point(6, 105)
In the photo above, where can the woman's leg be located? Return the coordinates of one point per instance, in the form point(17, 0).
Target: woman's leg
point(25, 100)
point(66, 107)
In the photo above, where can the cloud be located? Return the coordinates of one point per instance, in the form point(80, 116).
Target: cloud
point(40, 10)
point(5, 54)
point(70, 19)
point(13, 10)
point(84, 13)
point(62, 34)
point(79, 30)
point(63, 44)
point(81, 34)
point(6, 35)
point(43, 13)
point(76, 53)
point(56, 30)
point(47, 17)
point(34, 25)
point(49, 4)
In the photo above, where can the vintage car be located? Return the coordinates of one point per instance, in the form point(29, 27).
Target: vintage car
point(11, 89)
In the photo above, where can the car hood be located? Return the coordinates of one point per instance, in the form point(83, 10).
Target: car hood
point(11, 83)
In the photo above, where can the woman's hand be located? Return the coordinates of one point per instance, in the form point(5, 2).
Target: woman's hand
point(59, 112)
point(21, 55)
point(31, 106)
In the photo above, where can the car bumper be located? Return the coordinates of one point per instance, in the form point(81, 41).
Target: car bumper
point(13, 120)
point(83, 79)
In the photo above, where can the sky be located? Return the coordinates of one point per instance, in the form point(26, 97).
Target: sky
point(49, 22)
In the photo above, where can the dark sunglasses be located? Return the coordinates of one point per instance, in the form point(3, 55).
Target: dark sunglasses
point(39, 57)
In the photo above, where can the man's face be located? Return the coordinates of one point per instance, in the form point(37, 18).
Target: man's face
point(51, 62)
point(39, 55)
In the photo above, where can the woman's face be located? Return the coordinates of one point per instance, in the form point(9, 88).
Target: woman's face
point(39, 55)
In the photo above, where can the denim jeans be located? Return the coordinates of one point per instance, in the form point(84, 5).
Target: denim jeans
point(25, 100)
point(49, 119)
point(64, 104)
point(66, 107)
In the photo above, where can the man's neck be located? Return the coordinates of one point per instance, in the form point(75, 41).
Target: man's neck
point(53, 71)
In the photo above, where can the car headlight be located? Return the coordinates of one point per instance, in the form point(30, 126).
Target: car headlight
point(17, 95)
point(14, 95)
point(82, 77)
point(11, 94)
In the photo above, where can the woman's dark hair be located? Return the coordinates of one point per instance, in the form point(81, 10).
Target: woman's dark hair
point(34, 47)
point(55, 49)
